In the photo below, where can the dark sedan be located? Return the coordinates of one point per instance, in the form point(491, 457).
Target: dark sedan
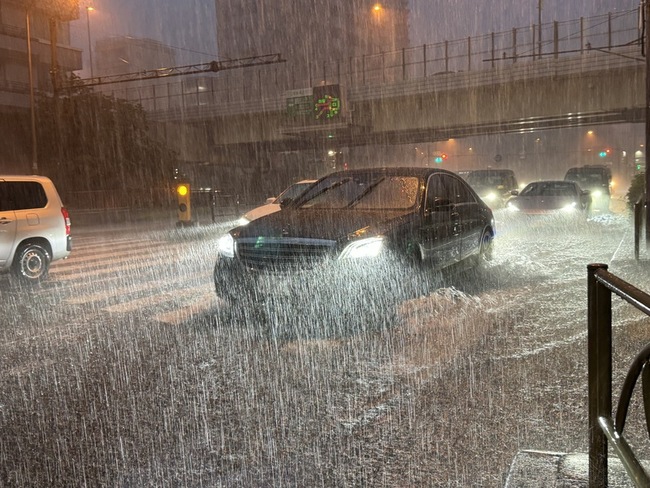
point(354, 233)
point(561, 198)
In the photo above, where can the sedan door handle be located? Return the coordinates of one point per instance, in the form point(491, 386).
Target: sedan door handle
point(5, 220)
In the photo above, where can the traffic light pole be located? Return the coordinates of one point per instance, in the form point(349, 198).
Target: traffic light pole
point(646, 28)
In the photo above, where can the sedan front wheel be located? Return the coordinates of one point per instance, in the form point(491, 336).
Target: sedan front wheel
point(486, 248)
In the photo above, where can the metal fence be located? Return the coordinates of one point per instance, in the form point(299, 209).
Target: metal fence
point(605, 33)
point(603, 428)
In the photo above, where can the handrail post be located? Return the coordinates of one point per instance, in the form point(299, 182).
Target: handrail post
point(599, 350)
point(638, 208)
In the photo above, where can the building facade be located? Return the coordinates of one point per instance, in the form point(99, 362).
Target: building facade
point(315, 38)
point(125, 55)
point(49, 24)
point(310, 31)
point(14, 68)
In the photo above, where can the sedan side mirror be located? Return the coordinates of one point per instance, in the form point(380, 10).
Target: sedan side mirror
point(285, 201)
point(270, 199)
point(514, 193)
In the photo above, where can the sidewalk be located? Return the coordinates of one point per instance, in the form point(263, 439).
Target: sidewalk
point(532, 469)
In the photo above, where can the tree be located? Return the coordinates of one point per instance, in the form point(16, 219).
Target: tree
point(88, 141)
point(636, 189)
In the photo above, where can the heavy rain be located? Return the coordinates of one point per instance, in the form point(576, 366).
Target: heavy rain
point(121, 366)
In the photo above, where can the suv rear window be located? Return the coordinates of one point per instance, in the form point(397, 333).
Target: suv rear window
point(21, 195)
point(588, 177)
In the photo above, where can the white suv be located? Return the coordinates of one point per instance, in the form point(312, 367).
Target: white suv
point(34, 227)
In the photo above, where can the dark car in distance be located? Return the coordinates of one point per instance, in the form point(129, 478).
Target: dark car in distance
point(550, 197)
point(355, 233)
point(493, 185)
point(597, 178)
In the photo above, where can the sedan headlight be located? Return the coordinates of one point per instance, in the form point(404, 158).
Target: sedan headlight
point(490, 197)
point(597, 193)
point(226, 246)
point(570, 207)
point(512, 207)
point(363, 248)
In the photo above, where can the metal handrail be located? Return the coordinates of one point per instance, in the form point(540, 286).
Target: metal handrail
point(602, 426)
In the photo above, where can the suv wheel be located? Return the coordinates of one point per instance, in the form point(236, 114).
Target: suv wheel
point(32, 263)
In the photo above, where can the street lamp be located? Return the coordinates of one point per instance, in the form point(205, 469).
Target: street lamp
point(90, 49)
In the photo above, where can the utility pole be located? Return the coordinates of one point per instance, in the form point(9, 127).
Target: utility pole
point(54, 69)
point(646, 29)
point(31, 90)
point(539, 28)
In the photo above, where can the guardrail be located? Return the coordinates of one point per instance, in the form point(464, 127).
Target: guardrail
point(603, 428)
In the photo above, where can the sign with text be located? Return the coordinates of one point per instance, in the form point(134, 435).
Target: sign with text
point(299, 102)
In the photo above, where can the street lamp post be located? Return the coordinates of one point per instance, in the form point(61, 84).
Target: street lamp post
point(90, 49)
point(32, 109)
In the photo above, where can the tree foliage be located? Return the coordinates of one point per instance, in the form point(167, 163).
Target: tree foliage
point(636, 189)
point(90, 141)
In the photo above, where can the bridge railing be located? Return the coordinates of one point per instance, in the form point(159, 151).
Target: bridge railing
point(603, 428)
point(607, 33)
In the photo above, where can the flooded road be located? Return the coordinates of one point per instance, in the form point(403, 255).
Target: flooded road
point(124, 369)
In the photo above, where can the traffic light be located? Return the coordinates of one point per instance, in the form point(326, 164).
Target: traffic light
point(184, 204)
point(604, 153)
point(440, 158)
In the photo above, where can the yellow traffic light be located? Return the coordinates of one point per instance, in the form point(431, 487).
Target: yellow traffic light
point(182, 189)
point(184, 203)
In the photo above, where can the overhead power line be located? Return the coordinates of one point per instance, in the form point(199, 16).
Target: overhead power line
point(191, 69)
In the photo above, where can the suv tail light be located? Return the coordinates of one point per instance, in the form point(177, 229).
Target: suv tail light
point(66, 219)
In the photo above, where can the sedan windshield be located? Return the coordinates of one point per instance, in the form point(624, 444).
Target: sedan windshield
point(364, 191)
point(292, 192)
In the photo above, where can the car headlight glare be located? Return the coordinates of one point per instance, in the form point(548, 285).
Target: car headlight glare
point(363, 248)
point(570, 207)
point(490, 197)
point(512, 207)
point(226, 246)
point(597, 193)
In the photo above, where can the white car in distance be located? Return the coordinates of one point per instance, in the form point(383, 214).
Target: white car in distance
point(273, 203)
